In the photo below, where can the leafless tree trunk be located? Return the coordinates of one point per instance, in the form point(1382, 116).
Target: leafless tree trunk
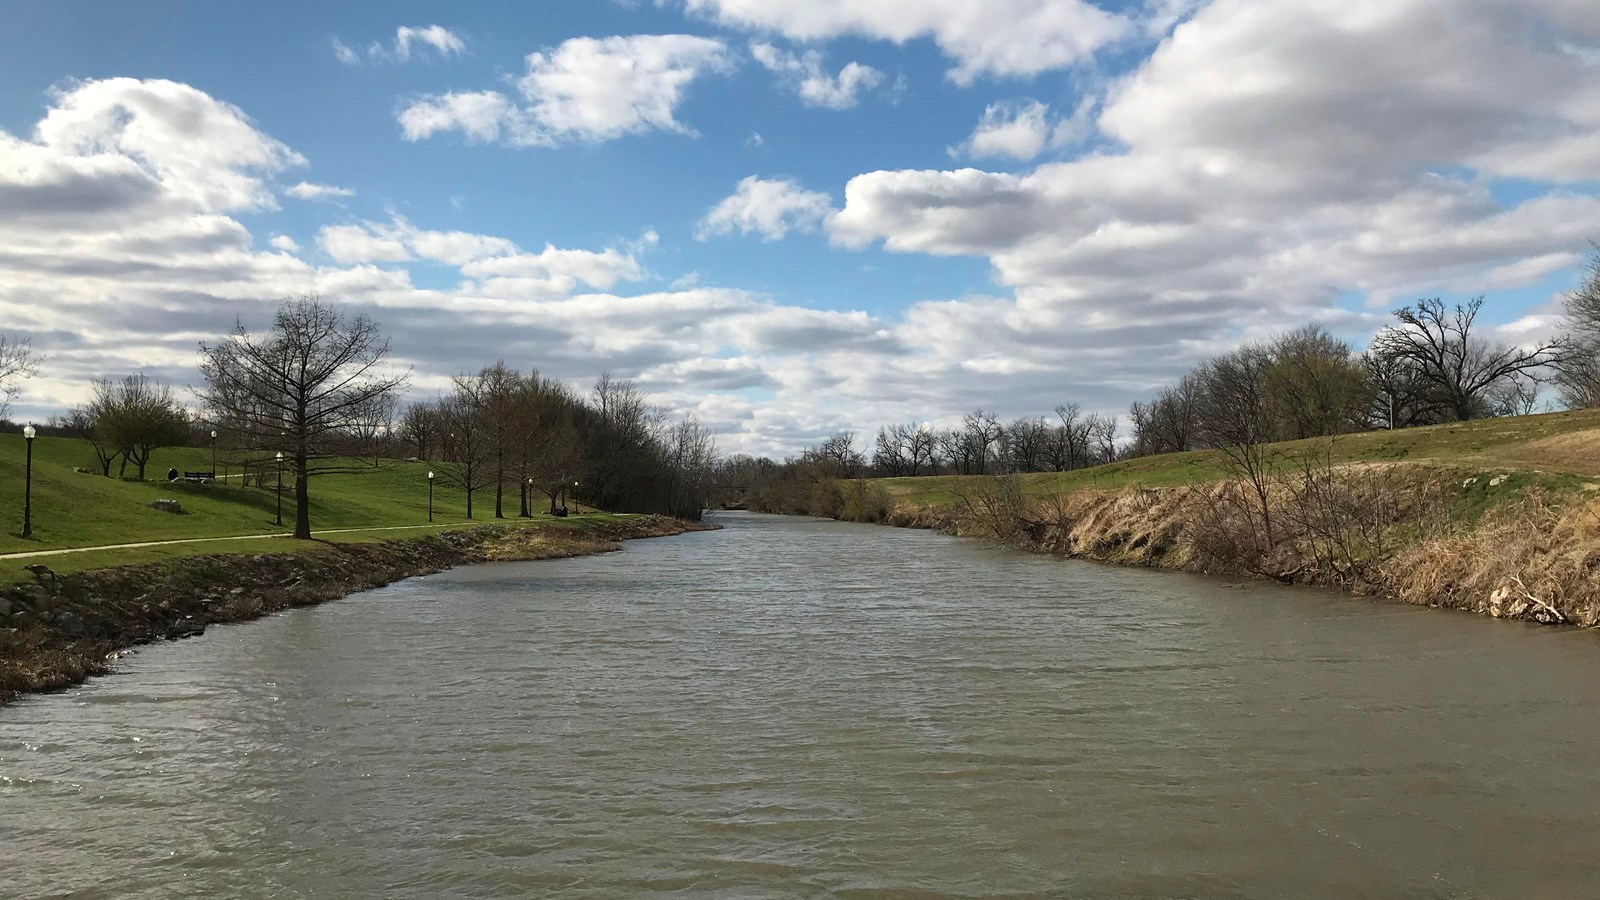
point(1459, 368)
point(1237, 420)
point(137, 416)
point(419, 428)
point(302, 382)
point(1578, 374)
point(982, 431)
point(82, 422)
point(17, 362)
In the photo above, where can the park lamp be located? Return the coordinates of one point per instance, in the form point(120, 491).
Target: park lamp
point(278, 520)
point(29, 433)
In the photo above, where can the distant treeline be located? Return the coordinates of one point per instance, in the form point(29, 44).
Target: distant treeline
point(1432, 364)
point(313, 393)
point(502, 432)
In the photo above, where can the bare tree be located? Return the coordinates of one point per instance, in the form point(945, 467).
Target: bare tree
point(982, 432)
point(468, 442)
point(691, 455)
point(1058, 448)
point(839, 457)
point(374, 426)
point(419, 428)
point(954, 450)
point(1460, 370)
point(1400, 394)
point(902, 450)
point(1072, 437)
point(1025, 443)
point(136, 416)
point(1578, 374)
point(547, 443)
point(1174, 416)
point(924, 449)
point(619, 444)
point(306, 379)
point(1102, 431)
point(84, 422)
point(17, 362)
point(560, 459)
point(1237, 419)
point(498, 389)
point(891, 454)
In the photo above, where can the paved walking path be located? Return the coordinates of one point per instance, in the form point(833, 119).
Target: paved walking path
point(241, 537)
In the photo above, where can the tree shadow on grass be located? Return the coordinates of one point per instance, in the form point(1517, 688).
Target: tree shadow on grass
point(243, 498)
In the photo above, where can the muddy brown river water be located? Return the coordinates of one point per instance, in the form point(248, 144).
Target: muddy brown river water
point(795, 708)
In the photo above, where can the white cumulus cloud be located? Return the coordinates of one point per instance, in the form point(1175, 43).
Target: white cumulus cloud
point(770, 208)
point(996, 37)
point(804, 72)
point(444, 41)
point(1023, 129)
point(306, 190)
point(196, 147)
point(585, 90)
point(408, 39)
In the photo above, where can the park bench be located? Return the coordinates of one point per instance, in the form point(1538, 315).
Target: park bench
point(198, 477)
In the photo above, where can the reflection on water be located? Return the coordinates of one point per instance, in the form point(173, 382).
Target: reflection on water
point(794, 708)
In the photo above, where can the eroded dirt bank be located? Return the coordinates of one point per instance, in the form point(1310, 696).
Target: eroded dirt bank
point(61, 630)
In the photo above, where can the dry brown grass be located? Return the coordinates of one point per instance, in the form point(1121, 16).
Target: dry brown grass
point(1577, 453)
point(1369, 529)
point(1535, 559)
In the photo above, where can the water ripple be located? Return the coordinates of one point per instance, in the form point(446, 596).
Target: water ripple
point(792, 708)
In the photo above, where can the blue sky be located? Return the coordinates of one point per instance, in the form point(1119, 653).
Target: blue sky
point(919, 209)
point(275, 62)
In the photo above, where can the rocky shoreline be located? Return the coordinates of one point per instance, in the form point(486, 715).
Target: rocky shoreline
point(64, 629)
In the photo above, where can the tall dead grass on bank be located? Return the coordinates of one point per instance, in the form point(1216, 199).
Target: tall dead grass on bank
point(1536, 558)
point(1366, 529)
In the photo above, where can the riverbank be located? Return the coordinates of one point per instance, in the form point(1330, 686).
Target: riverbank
point(63, 629)
point(1508, 545)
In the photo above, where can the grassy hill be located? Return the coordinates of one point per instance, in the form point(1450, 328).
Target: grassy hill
point(76, 509)
point(1561, 449)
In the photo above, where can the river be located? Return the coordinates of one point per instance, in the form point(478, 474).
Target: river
point(796, 708)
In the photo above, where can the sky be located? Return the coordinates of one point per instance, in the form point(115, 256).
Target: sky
point(787, 219)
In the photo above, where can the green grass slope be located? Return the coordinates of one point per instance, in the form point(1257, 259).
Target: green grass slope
point(1557, 448)
point(76, 509)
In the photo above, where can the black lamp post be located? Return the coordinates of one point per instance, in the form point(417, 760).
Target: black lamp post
point(279, 519)
point(213, 454)
point(430, 496)
point(574, 493)
point(27, 492)
point(527, 500)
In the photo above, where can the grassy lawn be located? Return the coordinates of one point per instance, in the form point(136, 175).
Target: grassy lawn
point(75, 509)
point(1554, 449)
